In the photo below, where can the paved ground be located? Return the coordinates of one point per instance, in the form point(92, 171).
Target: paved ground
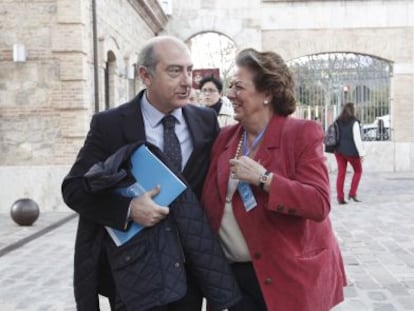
point(376, 238)
point(377, 241)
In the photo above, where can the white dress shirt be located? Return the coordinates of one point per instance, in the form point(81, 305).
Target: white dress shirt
point(154, 130)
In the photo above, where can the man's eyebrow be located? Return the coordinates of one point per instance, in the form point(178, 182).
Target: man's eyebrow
point(174, 66)
point(180, 65)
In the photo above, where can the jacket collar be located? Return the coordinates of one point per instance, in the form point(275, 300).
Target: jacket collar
point(134, 128)
point(223, 164)
point(192, 123)
point(191, 119)
point(271, 142)
point(271, 138)
point(133, 123)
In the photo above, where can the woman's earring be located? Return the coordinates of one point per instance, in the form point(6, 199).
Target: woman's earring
point(265, 102)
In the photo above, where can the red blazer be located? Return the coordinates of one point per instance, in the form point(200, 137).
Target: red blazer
point(289, 235)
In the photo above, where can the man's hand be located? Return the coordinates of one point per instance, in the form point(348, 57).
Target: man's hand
point(145, 211)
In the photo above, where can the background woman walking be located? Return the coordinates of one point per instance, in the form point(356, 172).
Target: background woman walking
point(349, 149)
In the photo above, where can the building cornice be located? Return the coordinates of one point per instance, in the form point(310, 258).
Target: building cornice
point(151, 12)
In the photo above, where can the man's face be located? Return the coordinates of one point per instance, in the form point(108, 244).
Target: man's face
point(169, 87)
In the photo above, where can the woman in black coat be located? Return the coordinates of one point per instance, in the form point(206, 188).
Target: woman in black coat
point(349, 149)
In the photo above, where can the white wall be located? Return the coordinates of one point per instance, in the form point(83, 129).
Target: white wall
point(39, 183)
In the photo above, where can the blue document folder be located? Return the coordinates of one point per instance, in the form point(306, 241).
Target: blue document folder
point(149, 171)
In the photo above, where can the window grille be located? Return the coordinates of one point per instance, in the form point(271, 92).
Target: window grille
point(325, 81)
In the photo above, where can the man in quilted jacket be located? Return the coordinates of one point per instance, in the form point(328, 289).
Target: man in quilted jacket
point(128, 275)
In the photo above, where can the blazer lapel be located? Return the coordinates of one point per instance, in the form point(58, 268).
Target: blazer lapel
point(133, 123)
point(196, 136)
point(271, 141)
point(192, 122)
point(223, 161)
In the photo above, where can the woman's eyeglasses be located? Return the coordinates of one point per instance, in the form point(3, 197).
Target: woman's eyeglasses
point(209, 91)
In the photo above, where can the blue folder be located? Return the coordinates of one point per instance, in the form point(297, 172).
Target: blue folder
point(149, 171)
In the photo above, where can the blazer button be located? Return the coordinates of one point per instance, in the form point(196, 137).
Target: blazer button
point(177, 264)
point(291, 211)
point(127, 258)
point(268, 281)
point(257, 255)
point(280, 208)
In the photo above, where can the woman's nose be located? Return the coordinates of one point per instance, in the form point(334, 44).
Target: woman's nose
point(231, 93)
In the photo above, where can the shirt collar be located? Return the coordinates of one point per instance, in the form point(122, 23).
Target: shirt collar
point(154, 116)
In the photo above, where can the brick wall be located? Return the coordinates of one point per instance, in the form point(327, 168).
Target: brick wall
point(46, 102)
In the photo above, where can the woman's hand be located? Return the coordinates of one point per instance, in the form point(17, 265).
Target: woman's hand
point(246, 169)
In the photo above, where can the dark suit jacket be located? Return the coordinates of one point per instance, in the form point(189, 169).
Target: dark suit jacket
point(109, 131)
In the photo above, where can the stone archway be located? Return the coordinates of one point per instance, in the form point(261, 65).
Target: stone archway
point(299, 28)
point(213, 50)
point(233, 27)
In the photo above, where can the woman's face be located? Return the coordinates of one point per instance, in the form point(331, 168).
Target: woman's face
point(209, 94)
point(247, 101)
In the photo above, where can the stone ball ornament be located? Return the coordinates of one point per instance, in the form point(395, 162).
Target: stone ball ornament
point(24, 212)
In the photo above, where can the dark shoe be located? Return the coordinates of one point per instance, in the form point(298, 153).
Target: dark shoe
point(354, 198)
point(342, 201)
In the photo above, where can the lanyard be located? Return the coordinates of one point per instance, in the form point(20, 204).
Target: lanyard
point(259, 137)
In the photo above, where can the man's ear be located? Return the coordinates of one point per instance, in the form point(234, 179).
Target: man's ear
point(145, 75)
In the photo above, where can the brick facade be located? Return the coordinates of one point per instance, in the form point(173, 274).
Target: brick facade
point(46, 102)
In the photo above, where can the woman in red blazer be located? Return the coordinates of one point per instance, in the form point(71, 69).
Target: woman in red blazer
point(267, 195)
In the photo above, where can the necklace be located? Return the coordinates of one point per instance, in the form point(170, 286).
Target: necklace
point(236, 156)
point(239, 147)
point(243, 144)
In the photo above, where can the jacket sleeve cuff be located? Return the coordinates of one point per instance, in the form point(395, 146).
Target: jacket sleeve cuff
point(128, 218)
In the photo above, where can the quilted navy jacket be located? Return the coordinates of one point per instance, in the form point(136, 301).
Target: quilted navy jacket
point(149, 270)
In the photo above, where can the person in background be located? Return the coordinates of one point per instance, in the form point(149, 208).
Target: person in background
point(133, 276)
point(349, 150)
point(211, 96)
point(267, 195)
point(193, 98)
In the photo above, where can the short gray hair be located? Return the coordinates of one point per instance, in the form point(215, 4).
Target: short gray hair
point(147, 57)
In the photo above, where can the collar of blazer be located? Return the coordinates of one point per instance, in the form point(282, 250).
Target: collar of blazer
point(133, 122)
point(271, 141)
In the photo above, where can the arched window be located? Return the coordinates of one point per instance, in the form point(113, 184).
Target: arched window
point(213, 50)
point(325, 81)
point(109, 80)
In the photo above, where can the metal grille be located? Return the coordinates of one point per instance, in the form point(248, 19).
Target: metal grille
point(325, 81)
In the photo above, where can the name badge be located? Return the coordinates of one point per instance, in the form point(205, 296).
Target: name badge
point(247, 196)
